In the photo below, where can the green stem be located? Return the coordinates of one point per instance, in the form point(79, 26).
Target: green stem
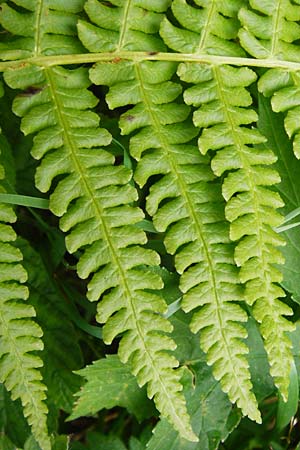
point(47, 61)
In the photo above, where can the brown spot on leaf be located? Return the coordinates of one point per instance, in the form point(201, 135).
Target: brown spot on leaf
point(31, 90)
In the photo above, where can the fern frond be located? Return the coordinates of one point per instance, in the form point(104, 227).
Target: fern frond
point(270, 29)
point(109, 383)
point(211, 27)
point(95, 199)
point(283, 86)
point(54, 317)
point(42, 27)
point(128, 25)
point(188, 207)
point(224, 115)
point(19, 334)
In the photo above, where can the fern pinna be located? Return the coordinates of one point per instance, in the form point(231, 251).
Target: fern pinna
point(193, 217)
point(20, 336)
point(269, 31)
point(95, 200)
point(193, 220)
point(223, 114)
point(197, 155)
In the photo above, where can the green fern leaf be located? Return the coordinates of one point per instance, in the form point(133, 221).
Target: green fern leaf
point(270, 31)
point(222, 101)
point(193, 217)
point(109, 383)
point(224, 117)
point(58, 332)
point(94, 200)
point(95, 196)
point(43, 27)
point(283, 86)
point(129, 25)
point(211, 27)
point(19, 334)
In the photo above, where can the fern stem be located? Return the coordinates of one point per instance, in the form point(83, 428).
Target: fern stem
point(83, 58)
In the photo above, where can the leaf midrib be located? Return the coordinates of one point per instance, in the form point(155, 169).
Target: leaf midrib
point(275, 29)
point(38, 27)
point(124, 24)
point(207, 28)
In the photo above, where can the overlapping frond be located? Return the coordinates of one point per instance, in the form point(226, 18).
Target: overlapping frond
point(46, 27)
point(224, 116)
point(20, 336)
point(209, 27)
point(270, 30)
point(187, 205)
point(94, 199)
point(283, 86)
point(123, 25)
point(109, 383)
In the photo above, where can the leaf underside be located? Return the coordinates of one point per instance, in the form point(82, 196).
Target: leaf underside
point(206, 171)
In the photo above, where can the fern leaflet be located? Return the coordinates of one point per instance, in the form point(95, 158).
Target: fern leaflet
point(161, 147)
point(94, 200)
point(269, 31)
point(224, 116)
point(128, 25)
point(19, 334)
point(193, 216)
point(270, 28)
point(209, 28)
point(222, 99)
